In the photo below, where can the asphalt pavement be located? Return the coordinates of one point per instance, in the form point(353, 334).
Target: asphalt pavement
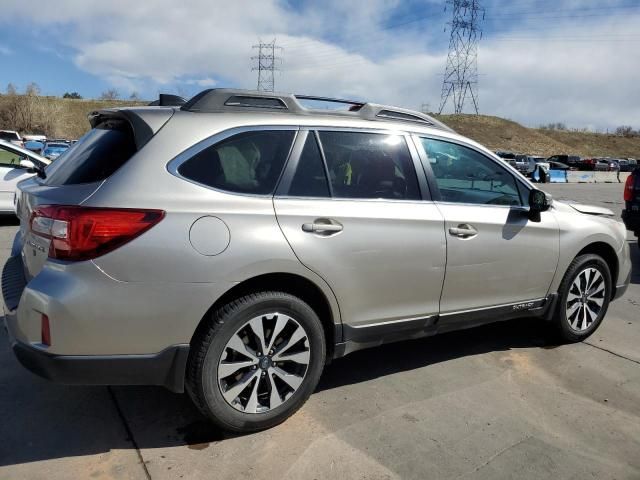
point(499, 401)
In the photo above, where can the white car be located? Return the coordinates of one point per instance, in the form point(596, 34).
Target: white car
point(16, 164)
point(11, 136)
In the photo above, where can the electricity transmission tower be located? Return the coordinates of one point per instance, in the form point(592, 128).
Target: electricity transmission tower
point(461, 75)
point(267, 64)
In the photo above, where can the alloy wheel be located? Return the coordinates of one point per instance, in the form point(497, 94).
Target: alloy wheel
point(264, 363)
point(585, 299)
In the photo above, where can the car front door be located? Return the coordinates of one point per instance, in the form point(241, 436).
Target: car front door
point(10, 174)
point(352, 206)
point(498, 259)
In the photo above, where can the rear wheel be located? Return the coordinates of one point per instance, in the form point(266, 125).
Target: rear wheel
point(585, 292)
point(256, 361)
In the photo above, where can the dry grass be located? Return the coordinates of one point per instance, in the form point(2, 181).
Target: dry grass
point(500, 134)
point(71, 115)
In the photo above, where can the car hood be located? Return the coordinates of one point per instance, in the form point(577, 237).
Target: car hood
point(591, 209)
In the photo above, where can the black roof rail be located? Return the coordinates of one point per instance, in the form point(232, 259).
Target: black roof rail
point(168, 100)
point(229, 99)
point(216, 100)
point(373, 111)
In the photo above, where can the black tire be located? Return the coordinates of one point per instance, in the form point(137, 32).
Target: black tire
point(562, 325)
point(210, 343)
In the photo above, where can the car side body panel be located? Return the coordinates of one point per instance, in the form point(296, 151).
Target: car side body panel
point(155, 290)
point(578, 231)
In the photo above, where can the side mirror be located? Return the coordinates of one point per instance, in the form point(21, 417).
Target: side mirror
point(29, 165)
point(538, 202)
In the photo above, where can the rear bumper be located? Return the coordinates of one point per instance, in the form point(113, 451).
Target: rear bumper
point(165, 368)
point(104, 332)
point(631, 220)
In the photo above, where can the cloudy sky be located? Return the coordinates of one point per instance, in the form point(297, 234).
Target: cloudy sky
point(540, 61)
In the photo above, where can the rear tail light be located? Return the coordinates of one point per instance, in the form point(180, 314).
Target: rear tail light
point(628, 188)
point(45, 331)
point(83, 233)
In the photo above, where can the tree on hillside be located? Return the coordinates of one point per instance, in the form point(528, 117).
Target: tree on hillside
point(554, 126)
point(72, 95)
point(11, 89)
point(134, 97)
point(111, 94)
point(625, 131)
point(33, 89)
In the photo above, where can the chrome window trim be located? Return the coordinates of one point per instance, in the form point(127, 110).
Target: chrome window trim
point(174, 164)
point(377, 200)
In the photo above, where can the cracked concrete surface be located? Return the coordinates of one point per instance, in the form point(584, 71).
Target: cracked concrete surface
point(493, 402)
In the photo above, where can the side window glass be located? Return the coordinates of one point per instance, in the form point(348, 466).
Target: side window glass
point(466, 176)
point(310, 179)
point(249, 162)
point(369, 165)
point(9, 159)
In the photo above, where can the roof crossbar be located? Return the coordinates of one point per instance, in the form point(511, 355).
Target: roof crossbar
point(218, 100)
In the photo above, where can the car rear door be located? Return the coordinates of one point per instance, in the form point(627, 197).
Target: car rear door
point(10, 174)
point(497, 258)
point(371, 231)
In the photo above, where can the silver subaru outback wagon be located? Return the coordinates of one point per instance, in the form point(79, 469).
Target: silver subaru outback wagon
point(233, 245)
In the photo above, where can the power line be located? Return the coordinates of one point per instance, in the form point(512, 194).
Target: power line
point(266, 64)
point(461, 73)
point(572, 10)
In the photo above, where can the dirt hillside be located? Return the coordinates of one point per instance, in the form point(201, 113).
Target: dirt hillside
point(70, 116)
point(500, 134)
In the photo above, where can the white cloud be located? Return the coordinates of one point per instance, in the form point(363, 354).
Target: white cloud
point(5, 50)
point(555, 72)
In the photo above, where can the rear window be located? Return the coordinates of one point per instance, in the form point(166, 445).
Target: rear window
point(94, 157)
point(250, 162)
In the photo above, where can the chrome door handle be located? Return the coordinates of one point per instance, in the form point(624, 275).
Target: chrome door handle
point(318, 227)
point(463, 231)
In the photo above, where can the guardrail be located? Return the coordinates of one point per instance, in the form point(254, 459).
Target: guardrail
point(569, 176)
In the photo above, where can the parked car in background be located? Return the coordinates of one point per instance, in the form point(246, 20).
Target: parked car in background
point(532, 161)
point(31, 137)
point(624, 164)
point(570, 160)
point(34, 146)
point(633, 163)
point(602, 165)
point(631, 197)
point(522, 163)
point(13, 169)
point(558, 166)
point(11, 136)
point(508, 157)
point(54, 150)
point(614, 164)
point(588, 164)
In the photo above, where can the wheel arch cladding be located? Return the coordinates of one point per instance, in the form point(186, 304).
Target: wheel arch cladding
point(293, 284)
point(608, 254)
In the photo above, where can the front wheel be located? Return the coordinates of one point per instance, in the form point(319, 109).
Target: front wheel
point(256, 361)
point(585, 293)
